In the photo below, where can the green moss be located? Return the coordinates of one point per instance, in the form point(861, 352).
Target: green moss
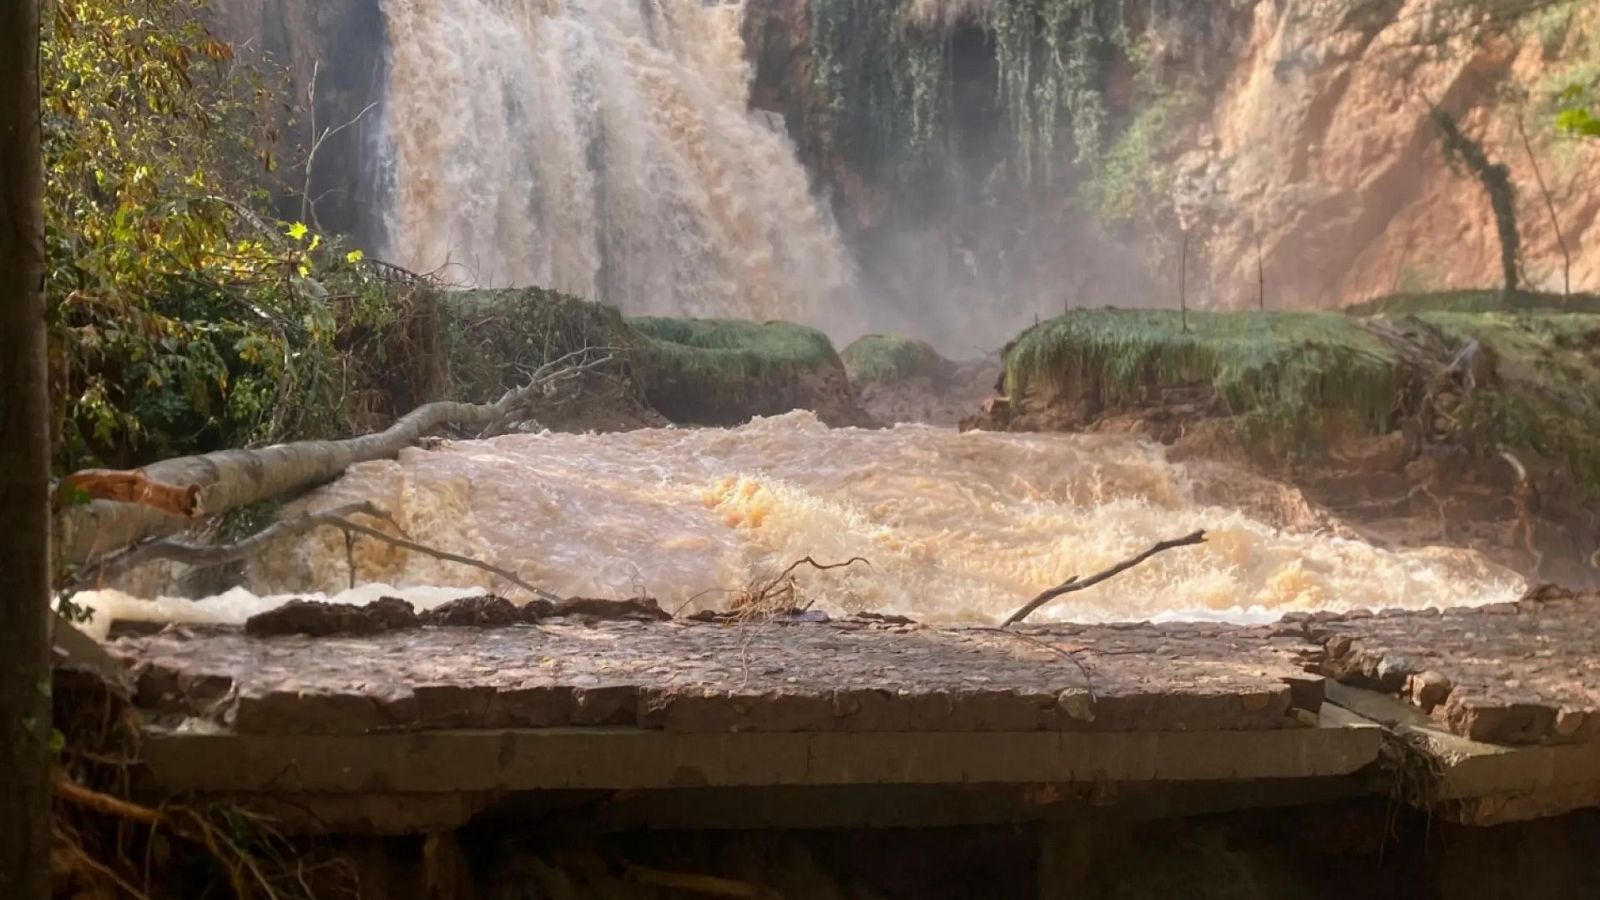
point(694, 368)
point(1282, 374)
point(1548, 397)
point(1474, 301)
point(878, 358)
point(1132, 170)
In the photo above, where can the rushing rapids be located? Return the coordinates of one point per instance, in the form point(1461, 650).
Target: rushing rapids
point(605, 149)
point(956, 527)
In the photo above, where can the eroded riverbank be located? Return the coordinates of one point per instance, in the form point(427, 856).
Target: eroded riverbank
point(955, 527)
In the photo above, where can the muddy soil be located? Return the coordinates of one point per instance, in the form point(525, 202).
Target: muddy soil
point(943, 400)
point(1424, 483)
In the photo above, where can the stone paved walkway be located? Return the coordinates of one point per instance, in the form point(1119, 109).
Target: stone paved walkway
point(1513, 673)
point(708, 677)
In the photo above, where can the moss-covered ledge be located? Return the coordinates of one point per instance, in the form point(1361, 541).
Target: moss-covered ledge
point(692, 371)
point(726, 371)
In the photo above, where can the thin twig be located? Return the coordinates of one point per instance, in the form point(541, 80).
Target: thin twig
point(754, 603)
point(1550, 205)
point(1068, 655)
point(1072, 585)
point(808, 561)
point(540, 381)
point(204, 556)
point(1261, 277)
point(1183, 281)
point(414, 547)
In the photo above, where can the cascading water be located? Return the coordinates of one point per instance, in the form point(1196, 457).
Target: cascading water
point(603, 148)
point(956, 527)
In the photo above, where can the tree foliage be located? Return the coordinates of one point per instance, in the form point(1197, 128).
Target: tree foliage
point(179, 318)
point(1576, 115)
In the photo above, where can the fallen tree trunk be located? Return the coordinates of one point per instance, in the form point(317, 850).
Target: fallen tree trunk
point(230, 479)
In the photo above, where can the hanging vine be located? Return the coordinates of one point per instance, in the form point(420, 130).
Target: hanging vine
point(884, 70)
point(884, 75)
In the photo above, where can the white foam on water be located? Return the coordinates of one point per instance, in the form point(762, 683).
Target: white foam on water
point(237, 605)
point(956, 527)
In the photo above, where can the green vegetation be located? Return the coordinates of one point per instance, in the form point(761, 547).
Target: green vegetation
point(1576, 116)
point(1475, 301)
point(1496, 180)
point(879, 358)
point(1285, 376)
point(489, 341)
point(705, 370)
point(179, 319)
point(1282, 374)
point(1576, 76)
point(1050, 55)
point(886, 74)
point(884, 78)
point(1134, 170)
point(1546, 400)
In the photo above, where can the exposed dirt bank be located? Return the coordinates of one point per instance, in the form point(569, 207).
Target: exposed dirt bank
point(1422, 425)
point(897, 379)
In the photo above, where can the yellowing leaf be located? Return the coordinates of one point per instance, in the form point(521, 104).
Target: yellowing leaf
point(298, 231)
point(354, 256)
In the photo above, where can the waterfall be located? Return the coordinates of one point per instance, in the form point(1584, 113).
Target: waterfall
point(604, 148)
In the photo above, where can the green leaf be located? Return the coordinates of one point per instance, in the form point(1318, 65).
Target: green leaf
point(1579, 121)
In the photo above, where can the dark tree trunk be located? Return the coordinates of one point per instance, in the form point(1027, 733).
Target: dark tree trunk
point(24, 468)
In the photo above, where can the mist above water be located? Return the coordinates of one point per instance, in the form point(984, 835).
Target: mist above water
point(603, 148)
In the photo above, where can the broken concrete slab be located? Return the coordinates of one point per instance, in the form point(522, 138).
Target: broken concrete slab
point(692, 677)
point(489, 760)
point(1469, 781)
point(1513, 673)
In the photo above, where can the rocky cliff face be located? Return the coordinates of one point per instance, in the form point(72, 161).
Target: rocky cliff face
point(332, 53)
point(1293, 139)
point(1322, 143)
point(1289, 142)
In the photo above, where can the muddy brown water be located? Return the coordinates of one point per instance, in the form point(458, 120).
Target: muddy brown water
point(957, 528)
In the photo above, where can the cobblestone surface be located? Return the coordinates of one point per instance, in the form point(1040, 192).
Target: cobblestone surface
point(1511, 673)
point(856, 675)
point(1523, 673)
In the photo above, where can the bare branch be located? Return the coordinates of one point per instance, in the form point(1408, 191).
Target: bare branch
point(414, 547)
point(1073, 585)
point(1550, 205)
point(207, 556)
point(308, 205)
